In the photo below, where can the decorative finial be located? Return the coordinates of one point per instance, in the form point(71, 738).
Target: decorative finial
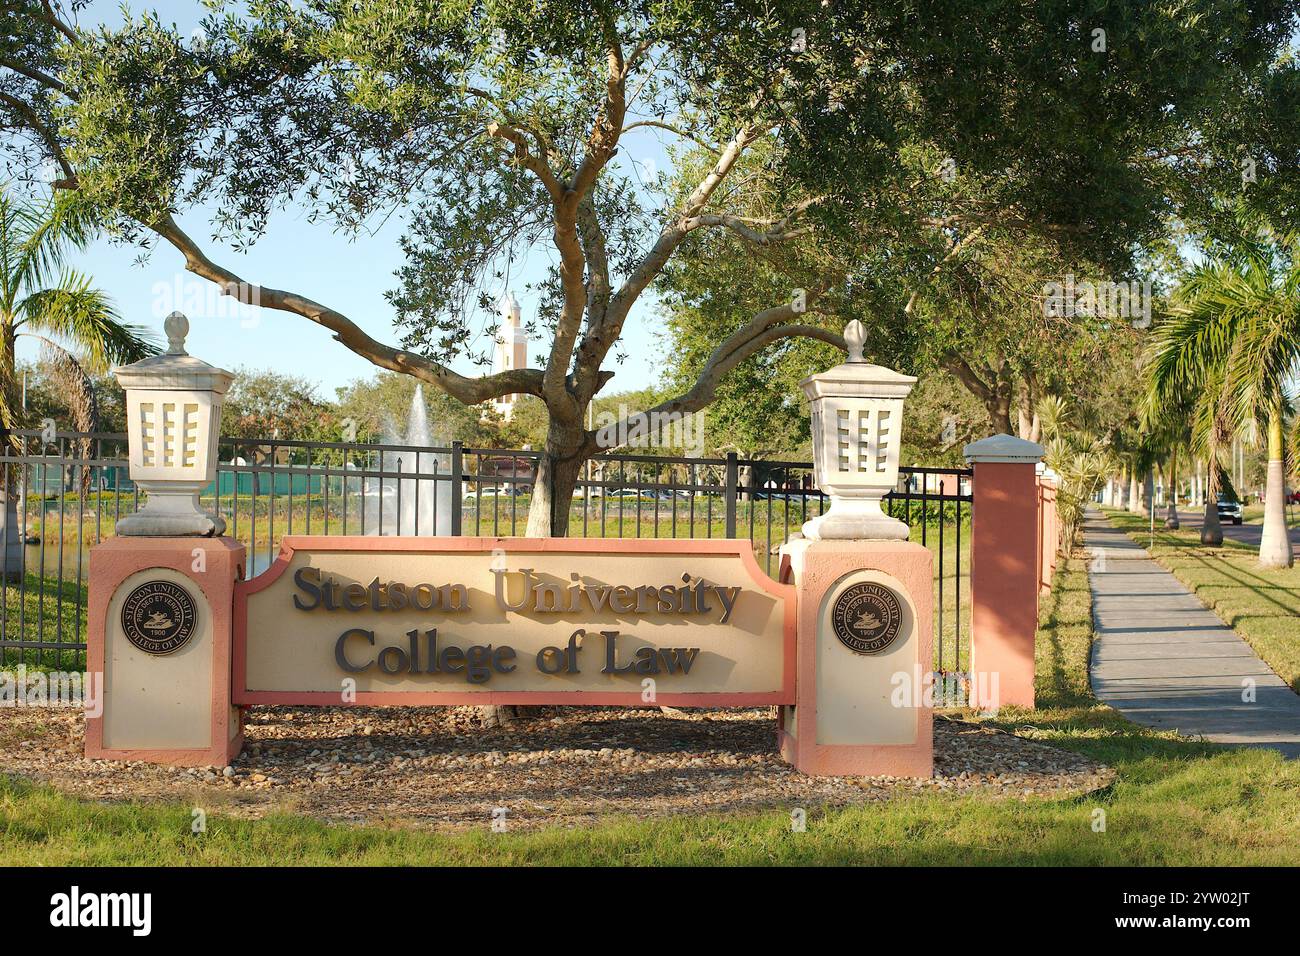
point(854, 336)
point(177, 327)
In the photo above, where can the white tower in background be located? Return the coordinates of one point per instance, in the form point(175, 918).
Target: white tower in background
point(511, 350)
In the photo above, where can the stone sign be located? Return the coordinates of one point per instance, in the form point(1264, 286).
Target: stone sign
point(491, 620)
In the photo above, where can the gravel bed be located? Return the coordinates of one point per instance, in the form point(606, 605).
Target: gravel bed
point(438, 768)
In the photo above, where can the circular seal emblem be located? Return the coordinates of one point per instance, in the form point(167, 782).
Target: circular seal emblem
point(159, 617)
point(867, 617)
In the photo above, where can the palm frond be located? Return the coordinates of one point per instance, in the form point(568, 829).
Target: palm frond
point(73, 387)
point(48, 234)
point(77, 391)
point(1054, 413)
point(85, 317)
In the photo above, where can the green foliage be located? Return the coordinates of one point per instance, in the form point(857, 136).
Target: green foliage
point(1238, 316)
point(47, 399)
point(846, 149)
point(361, 108)
point(43, 298)
point(270, 404)
point(939, 419)
point(379, 408)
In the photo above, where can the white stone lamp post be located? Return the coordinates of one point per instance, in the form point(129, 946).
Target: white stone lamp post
point(857, 427)
point(173, 412)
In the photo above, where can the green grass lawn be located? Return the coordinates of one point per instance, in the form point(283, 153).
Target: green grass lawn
point(1254, 514)
point(1262, 605)
point(1174, 802)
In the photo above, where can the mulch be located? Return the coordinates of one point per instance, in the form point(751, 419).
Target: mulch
point(440, 768)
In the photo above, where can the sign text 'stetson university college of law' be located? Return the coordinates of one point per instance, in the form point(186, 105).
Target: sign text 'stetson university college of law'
point(478, 662)
point(490, 620)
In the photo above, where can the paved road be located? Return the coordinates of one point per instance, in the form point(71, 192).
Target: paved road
point(1165, 660)
point(1246, 533)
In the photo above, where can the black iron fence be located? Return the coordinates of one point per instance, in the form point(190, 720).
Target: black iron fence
point(67, 491)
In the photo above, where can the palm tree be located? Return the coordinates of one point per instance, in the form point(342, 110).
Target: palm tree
point(41, 297)
point(1234, 335)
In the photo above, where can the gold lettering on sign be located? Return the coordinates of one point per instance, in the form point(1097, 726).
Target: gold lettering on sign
point(543, 621)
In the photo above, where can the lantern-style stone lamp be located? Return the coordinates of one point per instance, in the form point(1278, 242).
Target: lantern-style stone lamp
point(173, 411)
point(857, 427)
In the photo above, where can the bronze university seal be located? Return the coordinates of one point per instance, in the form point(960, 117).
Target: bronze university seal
point(158, 617)
point(867, 617)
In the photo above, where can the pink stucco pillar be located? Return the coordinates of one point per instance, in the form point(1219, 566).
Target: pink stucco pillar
point(860, 712)
point(159, 639)
point(1006, 565)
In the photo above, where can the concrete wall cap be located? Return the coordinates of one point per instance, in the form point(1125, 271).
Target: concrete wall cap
point(1003, 448)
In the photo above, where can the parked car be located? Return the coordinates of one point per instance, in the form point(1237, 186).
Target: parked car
point(494, 491)
point(1229, 509)
point(670, 494)
point(633, 494)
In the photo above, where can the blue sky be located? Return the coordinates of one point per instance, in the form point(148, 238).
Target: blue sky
point(350, 276)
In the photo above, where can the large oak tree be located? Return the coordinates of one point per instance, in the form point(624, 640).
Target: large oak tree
point(495, 129)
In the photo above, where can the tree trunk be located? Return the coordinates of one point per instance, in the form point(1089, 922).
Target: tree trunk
point(1030, 426)
point(1134, 501)
point(1211, 530)
point(12, 532)
point(999, 409)
point(1148, 505)
point(558, 471)
point(1275, 543)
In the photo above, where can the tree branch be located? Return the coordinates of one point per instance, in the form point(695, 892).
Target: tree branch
point(755, 335)
point(954, 250)
point(605, 132)
point(675, 130)
point(741, 228)
point(37, 125)
point(470, 391)
point(968, 377)
point(527, 159)
point(726, 357)
point(601, 338)
point(52, 18)
point(33, 74)
point(593, 245)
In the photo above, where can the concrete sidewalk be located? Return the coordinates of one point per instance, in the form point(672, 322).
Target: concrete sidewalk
point(1165, 660)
